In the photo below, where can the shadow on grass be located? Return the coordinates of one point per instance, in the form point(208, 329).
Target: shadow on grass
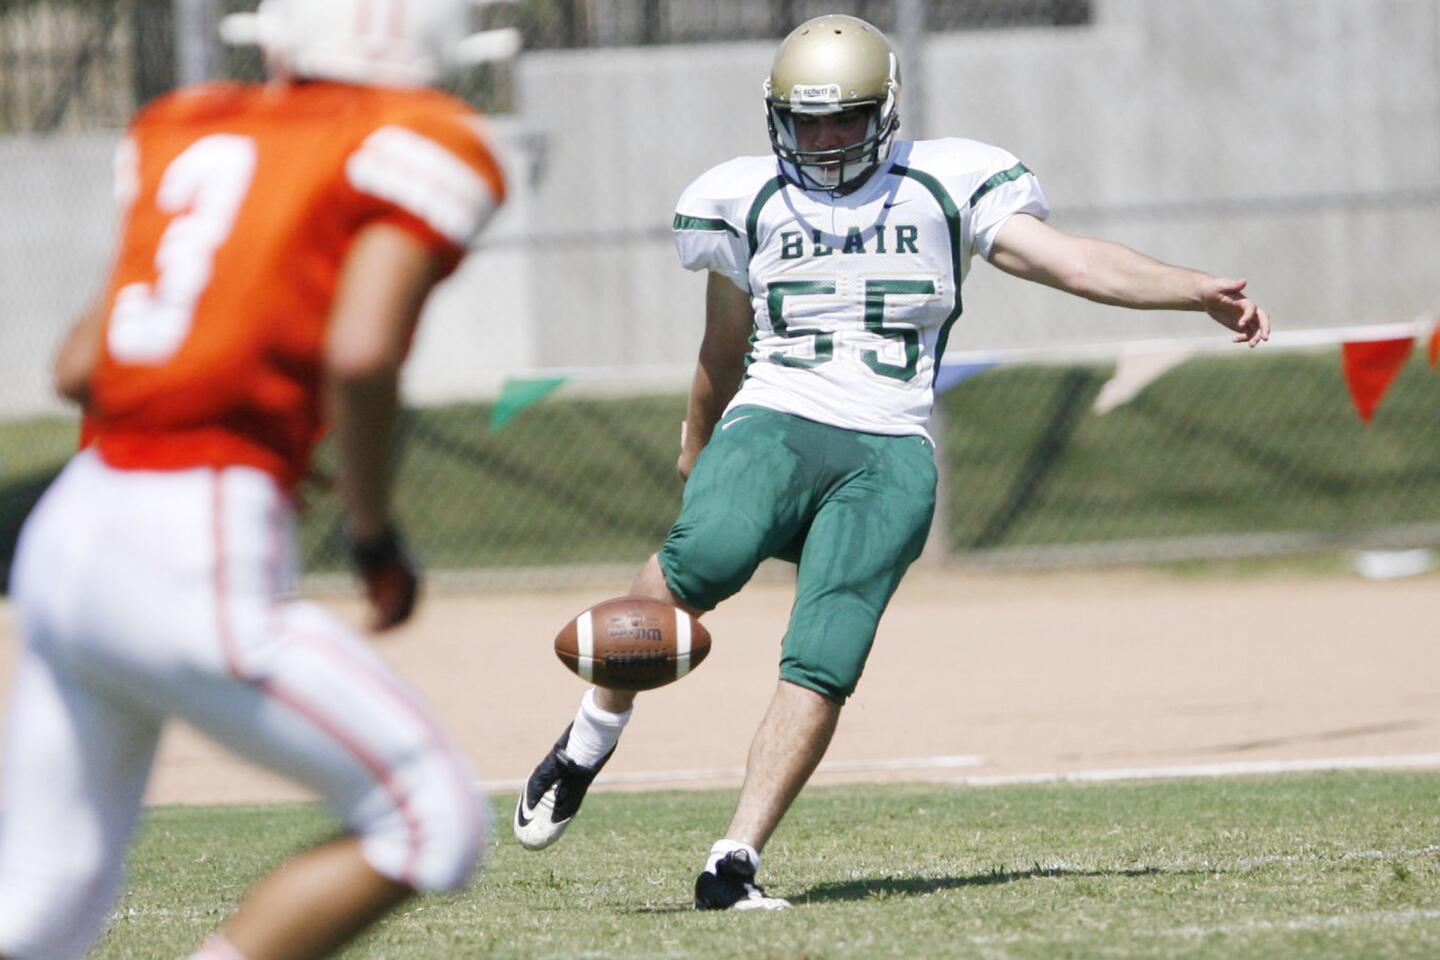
point(879, 888)
point(882, 888)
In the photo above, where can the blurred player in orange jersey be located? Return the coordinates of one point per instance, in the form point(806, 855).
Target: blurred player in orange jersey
point(279, 243)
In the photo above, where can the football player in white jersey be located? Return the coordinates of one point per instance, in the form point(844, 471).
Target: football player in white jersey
point(835, 270)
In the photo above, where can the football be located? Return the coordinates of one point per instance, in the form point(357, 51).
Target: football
point(632, 643)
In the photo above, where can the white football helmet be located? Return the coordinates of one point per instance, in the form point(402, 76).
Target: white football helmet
point(393, 43)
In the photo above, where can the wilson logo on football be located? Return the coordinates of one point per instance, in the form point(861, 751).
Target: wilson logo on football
point(626, 632)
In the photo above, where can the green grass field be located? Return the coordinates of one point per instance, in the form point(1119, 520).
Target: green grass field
point(1332, 865)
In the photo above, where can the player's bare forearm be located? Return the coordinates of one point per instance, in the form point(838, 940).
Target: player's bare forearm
point(714, 386)
point(1114, 274)
point(363, 425)
point(728, 322)
point(382, 288)
point(386, 277)
point(1094, 269)
point(1117, 275)
point(711, 390)
point(78, 356)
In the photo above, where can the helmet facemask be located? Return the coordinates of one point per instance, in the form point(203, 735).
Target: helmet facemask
point(837, 170)
point(839, 67)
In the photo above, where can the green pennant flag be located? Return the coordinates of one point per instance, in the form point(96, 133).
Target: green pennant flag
point(516, 395)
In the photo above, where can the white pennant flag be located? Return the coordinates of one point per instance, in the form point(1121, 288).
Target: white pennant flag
point(1134, 372)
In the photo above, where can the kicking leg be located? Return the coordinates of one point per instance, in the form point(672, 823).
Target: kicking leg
point(553, 794)
point(735, 514)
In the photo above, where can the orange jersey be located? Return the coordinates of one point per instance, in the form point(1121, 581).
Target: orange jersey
point(243, 203)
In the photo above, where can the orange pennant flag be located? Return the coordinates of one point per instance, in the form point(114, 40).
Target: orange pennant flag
point(1370, 368)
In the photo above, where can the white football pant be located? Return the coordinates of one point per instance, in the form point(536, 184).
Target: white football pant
point(142, 595)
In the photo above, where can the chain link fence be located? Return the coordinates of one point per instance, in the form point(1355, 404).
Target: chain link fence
point(89, 64)
point(1296, 142)
point(1228, 455)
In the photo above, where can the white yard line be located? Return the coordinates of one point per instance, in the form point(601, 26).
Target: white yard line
point(1383, 918)
point(1233, 769)
point(737, 773)
point(1167, 772)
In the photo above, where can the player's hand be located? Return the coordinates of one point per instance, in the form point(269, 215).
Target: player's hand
point(391, 583)
point(686, 461)
point(1228, 306)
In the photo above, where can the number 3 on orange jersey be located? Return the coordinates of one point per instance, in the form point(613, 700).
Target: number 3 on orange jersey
point(205, 185)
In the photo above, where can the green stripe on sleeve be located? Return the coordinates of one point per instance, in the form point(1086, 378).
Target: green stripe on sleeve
point(1003, 177)
point(714, 224)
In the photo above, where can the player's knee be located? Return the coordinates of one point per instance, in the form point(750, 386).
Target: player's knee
point(830, 660)
point(430, 827)
point(704, 561)
point(835, 686)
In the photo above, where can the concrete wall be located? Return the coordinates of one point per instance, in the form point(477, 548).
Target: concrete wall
point(56, 222)
point(1296, 142)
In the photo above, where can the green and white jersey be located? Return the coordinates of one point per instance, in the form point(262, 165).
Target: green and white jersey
point(854, 296)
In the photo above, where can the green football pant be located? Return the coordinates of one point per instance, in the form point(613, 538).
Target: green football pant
point(853, 509)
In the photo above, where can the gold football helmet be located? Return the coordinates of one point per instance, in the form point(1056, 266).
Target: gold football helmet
point(830, 65)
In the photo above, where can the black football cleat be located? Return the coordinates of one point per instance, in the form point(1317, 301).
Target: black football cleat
point(552, 796)
point(732, 887)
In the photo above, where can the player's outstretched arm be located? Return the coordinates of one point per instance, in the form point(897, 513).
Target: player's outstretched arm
point(728, 322)
point(1111, 273)
point(383, 285)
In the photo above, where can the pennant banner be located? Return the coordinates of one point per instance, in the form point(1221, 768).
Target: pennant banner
point(1370, 368)
point(1133, 373)
point(1372, 356)
point(516, 395)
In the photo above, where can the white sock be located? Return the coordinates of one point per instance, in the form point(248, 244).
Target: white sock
point(216, 948)
point(724, 847)
point(595, 731)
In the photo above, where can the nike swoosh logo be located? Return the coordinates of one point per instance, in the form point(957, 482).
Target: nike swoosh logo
point(523, 814)
point(731, 423)
point(893, 203)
